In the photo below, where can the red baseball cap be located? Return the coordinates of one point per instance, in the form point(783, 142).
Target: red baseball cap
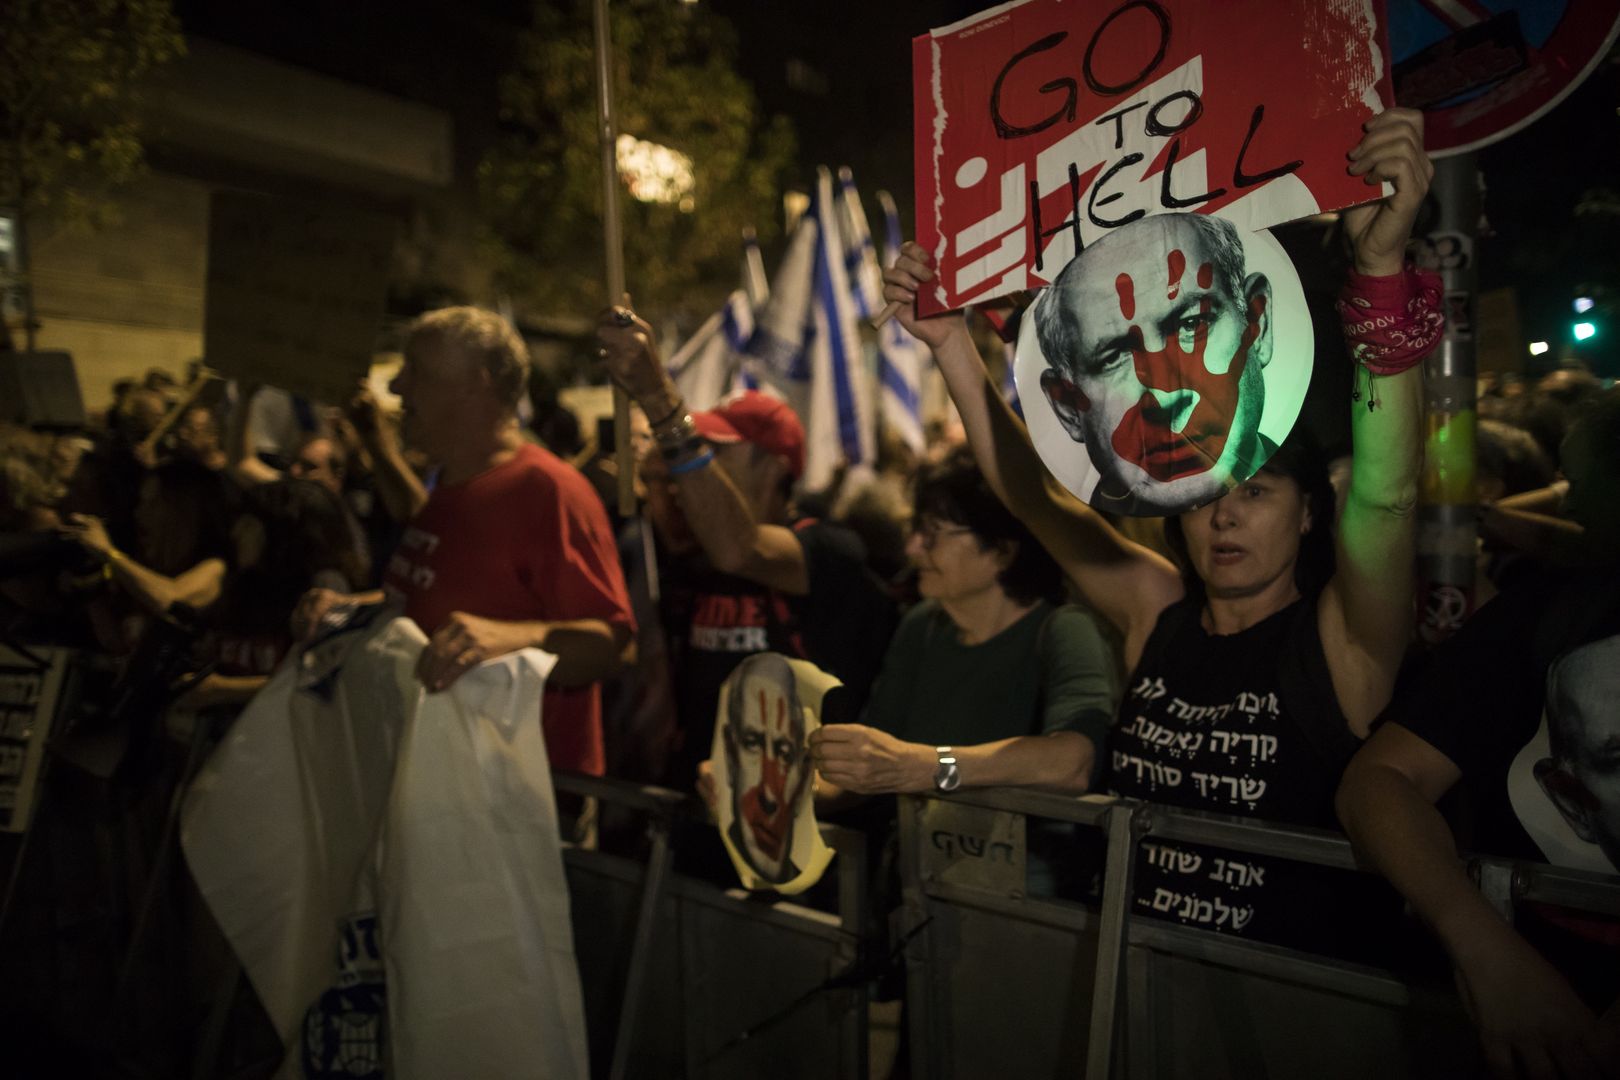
point(757, 418)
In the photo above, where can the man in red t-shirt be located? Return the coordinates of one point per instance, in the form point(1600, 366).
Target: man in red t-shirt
point(513, 548)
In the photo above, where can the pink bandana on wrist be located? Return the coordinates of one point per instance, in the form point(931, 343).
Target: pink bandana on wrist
point(1392, 322)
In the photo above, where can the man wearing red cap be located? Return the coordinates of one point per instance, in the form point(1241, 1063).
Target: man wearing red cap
point(743, 576)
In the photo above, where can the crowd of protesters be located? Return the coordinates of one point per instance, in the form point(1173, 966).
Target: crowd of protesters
point(971, 608)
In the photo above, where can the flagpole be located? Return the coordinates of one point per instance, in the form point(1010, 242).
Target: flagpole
point(613, 242)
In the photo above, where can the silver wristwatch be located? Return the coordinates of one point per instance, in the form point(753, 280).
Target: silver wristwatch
point(946, 777)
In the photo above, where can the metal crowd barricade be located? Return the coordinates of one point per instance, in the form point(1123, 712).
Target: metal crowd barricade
point(1206, 1004)
point(1004, 983)
point(682, 977)
point(999, 982)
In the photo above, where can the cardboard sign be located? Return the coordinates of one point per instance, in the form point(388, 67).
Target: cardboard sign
point(295, 292)
point(1484, 69)
point(1042, 124)
point(1165, 364)
point(29, 693)
point(764, 778)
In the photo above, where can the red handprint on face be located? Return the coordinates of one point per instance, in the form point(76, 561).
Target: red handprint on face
point(767, 807)
point(1148, 435)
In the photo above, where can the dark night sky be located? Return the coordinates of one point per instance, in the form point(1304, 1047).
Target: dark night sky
point(851, 105)
point(1537, 241)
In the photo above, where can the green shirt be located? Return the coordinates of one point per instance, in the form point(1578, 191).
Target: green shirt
point(1050, 671)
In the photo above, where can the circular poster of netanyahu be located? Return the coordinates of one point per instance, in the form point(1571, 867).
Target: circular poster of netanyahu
point(1165, 363)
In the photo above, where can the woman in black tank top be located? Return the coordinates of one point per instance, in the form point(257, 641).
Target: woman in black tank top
point(1259, 663)
point(1246, 723)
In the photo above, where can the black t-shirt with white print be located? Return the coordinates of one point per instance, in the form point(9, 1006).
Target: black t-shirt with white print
point(1243, 724)
point(714, 621)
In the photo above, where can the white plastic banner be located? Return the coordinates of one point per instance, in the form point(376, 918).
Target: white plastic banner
point(386, 864)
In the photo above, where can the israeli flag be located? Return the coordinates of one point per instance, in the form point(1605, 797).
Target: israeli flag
point(838, 378)
point(902, 359)
point(777, 347)
point(758, 288)
point(753, 271)
point(708, 367)
point(808, 347)
point(860, 255)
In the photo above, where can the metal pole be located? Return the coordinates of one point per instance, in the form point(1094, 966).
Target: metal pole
point(1118, 874)
point(652, 890)
point(1446, 526)
point(612, 240)
point(923, 966)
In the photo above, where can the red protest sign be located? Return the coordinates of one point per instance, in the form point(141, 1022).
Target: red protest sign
point(1042, 124)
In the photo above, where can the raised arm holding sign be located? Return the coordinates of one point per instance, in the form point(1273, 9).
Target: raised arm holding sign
point(1259, 665)
point(1132, 586)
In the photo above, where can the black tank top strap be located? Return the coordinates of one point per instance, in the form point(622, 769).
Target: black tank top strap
point(1180, 618)
point(1306, 687)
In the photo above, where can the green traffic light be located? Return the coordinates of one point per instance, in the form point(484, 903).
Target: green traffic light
point(1585, 330)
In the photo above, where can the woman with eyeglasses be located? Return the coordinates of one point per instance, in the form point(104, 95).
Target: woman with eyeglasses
point(990, 679)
